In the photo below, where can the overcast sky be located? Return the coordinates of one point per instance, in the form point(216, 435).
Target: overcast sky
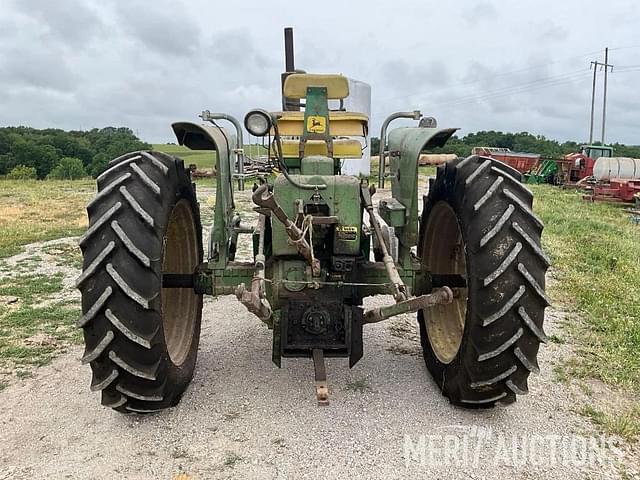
point(502, 65)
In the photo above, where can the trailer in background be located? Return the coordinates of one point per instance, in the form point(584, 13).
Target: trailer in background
point(523, 162)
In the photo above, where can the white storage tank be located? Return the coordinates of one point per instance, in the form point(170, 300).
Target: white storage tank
point(607, 168)
point(359, 100)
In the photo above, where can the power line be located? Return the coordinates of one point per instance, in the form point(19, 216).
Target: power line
point(496, 75)
point(624, 48)
point(515, 89)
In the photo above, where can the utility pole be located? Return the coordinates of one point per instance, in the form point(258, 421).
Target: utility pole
point(605, 66)
point(604, 101)
point(593, 65)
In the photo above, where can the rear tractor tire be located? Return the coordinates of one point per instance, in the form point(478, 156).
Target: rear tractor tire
point(141, 339)
point(478, 223)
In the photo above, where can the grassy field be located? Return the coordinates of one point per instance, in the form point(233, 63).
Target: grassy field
point(204, 159)
point(37, 326)
point(32, 211)
point(595, 251)
point(36, 322)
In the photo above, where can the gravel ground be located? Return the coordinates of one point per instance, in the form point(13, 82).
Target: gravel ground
point(242, 417)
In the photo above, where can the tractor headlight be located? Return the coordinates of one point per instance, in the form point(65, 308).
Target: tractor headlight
point(258, 122)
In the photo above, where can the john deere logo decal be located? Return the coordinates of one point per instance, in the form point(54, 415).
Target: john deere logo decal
point(316, 124)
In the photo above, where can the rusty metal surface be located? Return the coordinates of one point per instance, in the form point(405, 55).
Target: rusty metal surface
point(441, 296)
point(399, 289)
point(295, 234)
point(322, 388)
point(255, 299)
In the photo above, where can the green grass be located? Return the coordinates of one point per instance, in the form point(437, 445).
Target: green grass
point(204, 159)
point(556, 339)
point(65, 254)
point(231, 459)
point(595, 252)
point(423, 170)
point(31, 288)
point(359, 385)
point(32, 211)
point(427, 170)
point(32, 334)
point(625, 425)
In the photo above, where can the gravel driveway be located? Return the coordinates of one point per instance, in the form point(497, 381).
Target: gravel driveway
point(244, 418)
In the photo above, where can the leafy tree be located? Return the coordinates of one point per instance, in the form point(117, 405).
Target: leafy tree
point(21, 172)
point(375, 145)
point(43, 149)
point(69, 168)
point(632, 151)
point(42, 157)
point(98, 164)
point(523, 142)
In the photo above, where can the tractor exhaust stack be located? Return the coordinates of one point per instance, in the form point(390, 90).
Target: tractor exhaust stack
point(288, 104)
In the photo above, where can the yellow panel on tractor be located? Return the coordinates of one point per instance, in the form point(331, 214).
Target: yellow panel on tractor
point(341, 124)
point(342, 148)
point(295, 86)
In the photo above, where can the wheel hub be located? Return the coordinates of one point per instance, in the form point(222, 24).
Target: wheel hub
point(179, 305)
point(444, 254)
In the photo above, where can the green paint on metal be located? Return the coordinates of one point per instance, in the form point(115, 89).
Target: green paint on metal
point(317, 165)
point(405, 145)
point(341, 199)
point(316, 119)
point(544, 173)
point(393, 212)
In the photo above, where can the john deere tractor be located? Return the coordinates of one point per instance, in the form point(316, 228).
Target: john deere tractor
point(466, 257)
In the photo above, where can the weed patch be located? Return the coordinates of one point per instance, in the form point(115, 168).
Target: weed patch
point(625, 425)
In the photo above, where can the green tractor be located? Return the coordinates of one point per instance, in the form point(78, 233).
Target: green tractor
point(470, 264)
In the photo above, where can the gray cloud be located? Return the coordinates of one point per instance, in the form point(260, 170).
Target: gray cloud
point(22, 68)
point(481, 11)
point(154, 26)
point(71, 22)
point(522, 66)
point(551, 31)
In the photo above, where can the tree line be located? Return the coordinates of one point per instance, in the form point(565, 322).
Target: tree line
point(517, 142)
point(32, 153)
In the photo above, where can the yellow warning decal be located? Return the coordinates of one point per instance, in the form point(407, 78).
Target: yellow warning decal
point(347, 233)
point(316, 124)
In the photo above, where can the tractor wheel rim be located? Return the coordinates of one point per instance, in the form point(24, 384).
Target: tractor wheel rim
point(445, 323)
point(179, 305)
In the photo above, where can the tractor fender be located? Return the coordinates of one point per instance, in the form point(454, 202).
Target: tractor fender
point(205, 137)
point(405, 146)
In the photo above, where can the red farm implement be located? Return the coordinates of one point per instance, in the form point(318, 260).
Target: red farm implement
point(523, 162)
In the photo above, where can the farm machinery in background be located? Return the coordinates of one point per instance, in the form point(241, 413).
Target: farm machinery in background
point(571, 170)
point(616, 179)
point(595, 170)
